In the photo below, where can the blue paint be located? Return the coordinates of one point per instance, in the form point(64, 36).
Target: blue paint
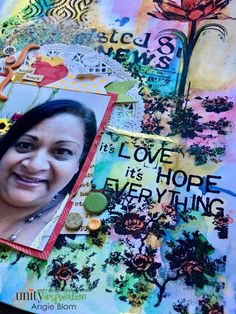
point(216, 188)
point(123, 21)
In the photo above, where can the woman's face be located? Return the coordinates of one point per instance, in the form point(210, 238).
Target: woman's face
point(42, 161)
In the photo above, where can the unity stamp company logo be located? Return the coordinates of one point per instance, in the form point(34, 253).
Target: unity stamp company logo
point(44, 299)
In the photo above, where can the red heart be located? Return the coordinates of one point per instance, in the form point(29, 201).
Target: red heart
point(51, 73)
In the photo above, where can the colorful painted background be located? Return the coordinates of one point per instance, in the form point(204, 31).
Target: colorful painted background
point(182, 54)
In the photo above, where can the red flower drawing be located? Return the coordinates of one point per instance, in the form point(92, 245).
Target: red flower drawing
point(63, 273)
point(189, 10)
point(209, 308)
point(130, 223)
point(142, 262)
point(169, 210)
point(191, 266)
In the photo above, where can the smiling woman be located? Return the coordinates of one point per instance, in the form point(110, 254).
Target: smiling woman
point(40, 158)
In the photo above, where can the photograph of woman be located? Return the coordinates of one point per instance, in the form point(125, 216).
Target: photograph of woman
point(40, 159)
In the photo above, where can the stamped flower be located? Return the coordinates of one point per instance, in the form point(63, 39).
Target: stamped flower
point(130, 223)
point(169, 210)
point(63, 273)
point(148, 105)
point(209, 308)
point(215, 311)
point(150, 125)
point(221, 225)
point(191, 267)
point(222, 221)
point(141, 262)
point(146, 118)
point(86, 272)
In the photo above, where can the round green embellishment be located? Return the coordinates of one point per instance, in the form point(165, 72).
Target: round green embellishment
point(95, 203)
point(73, 222)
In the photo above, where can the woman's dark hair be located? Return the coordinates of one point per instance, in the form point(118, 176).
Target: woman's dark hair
point(47, 110)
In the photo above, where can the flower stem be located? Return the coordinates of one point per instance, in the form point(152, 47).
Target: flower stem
point(186, 61)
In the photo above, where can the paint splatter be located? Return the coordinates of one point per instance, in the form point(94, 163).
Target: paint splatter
point(123, 21)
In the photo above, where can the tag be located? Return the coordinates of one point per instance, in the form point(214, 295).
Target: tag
point(33, 77)
point(25, 69)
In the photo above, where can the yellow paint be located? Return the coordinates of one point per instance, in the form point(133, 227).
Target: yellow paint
point(136, 310)
point(90, 77)
point(12, 7)
point(142, 17)
point(213, 61)
point(53, 61)
point(153, 242)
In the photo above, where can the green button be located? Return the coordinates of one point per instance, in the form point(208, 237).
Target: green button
point(73, 222)
point(95, 203)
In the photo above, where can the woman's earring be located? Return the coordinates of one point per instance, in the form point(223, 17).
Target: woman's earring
point(55, 197)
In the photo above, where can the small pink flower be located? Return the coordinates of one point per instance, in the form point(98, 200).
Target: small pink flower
point(150, 126)
point(147, 105)
point(63, 273)
point(216, 309)
point(146, 118)
point(168, 209)
point(142, 262)
point(191, 266)
point(223, 221)
point(16, 116)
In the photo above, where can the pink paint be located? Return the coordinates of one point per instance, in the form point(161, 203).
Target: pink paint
point(113, 235)
point(51, 73)
point(126, 8)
